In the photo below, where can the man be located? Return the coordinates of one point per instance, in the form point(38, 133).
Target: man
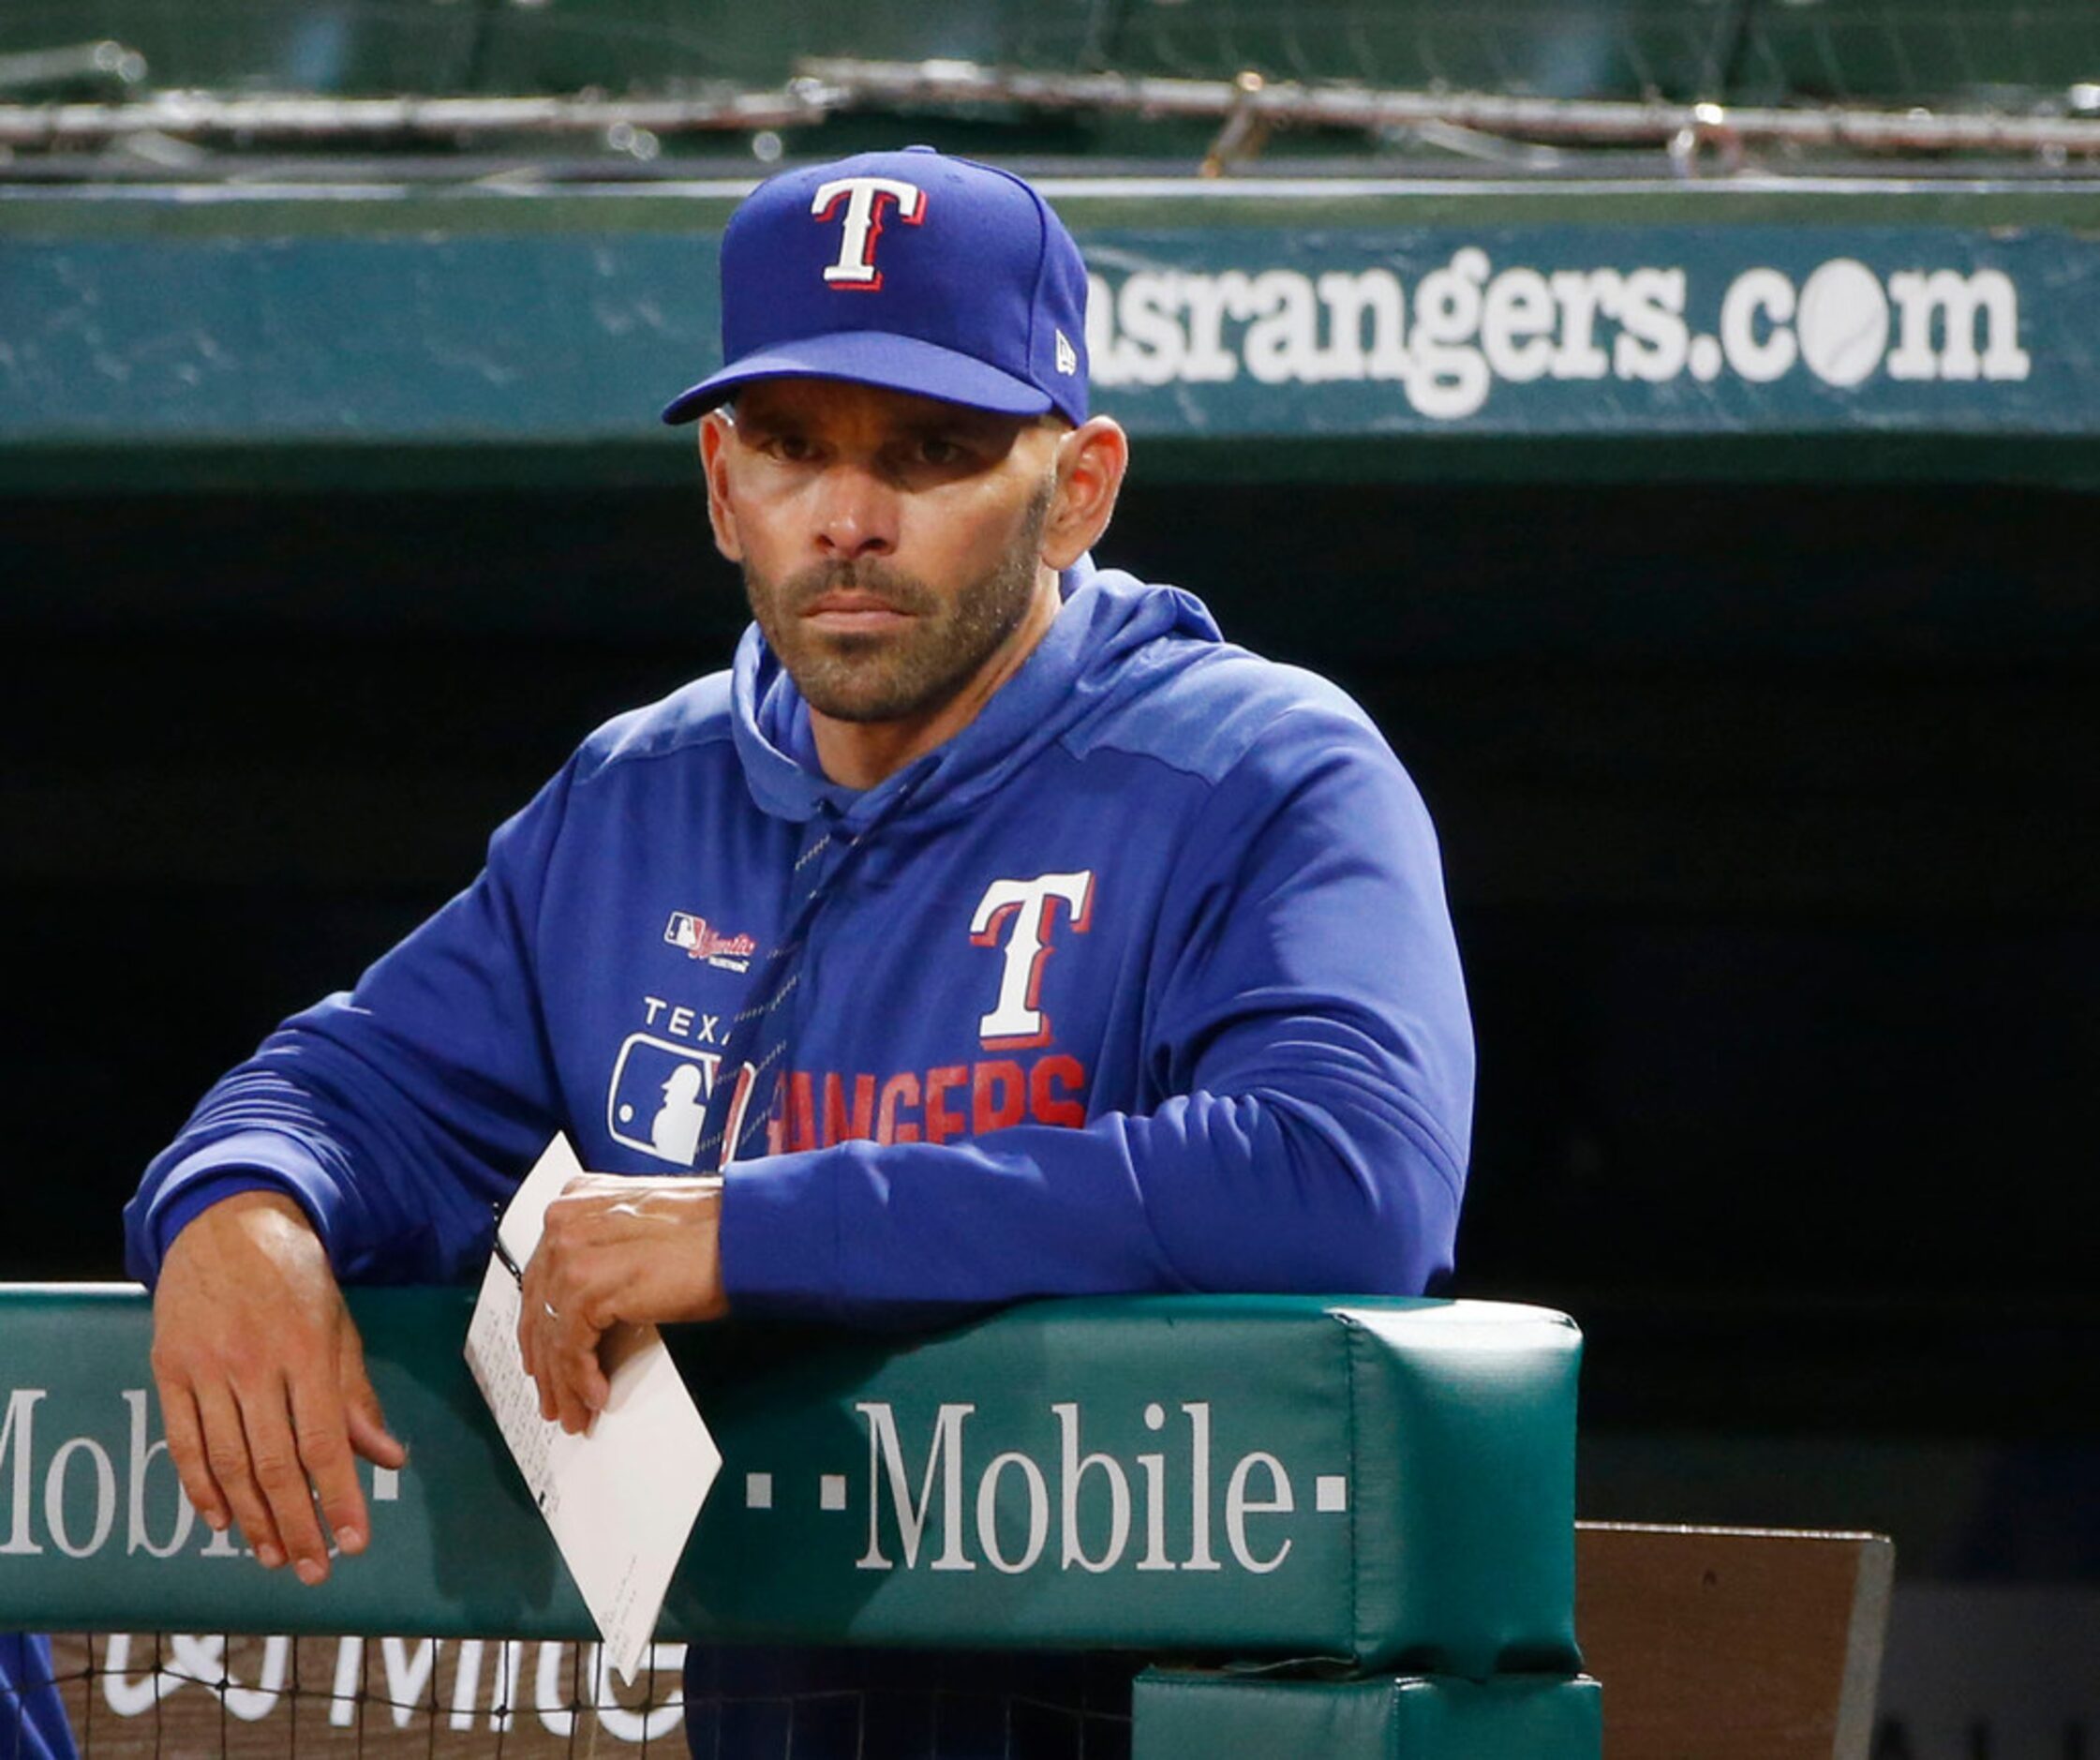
point(1026, 938)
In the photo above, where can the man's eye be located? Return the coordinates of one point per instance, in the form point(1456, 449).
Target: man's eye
point(933, 450)
point(794, 449)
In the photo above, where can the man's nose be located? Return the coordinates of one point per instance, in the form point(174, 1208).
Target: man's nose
point(856, 514)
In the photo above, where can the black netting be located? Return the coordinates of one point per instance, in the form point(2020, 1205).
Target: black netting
point(173, 1696)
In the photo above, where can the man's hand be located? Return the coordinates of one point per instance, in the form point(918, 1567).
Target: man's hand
point(615, 1251)
point(262, 1382)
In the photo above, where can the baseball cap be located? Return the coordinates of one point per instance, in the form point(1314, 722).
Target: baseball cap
point(909, 270)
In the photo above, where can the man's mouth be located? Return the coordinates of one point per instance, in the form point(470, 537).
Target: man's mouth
point(851, 611)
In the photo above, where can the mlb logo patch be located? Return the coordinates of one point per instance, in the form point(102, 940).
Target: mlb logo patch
point(658, 1097)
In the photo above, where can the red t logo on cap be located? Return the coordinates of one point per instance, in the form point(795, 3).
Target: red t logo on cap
point(864, 198)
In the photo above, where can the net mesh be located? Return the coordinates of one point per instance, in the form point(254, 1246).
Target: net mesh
point(173, 1695)
point(2008, 53)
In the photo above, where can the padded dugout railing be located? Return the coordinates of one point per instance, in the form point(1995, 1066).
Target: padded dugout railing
point(1382, 1488)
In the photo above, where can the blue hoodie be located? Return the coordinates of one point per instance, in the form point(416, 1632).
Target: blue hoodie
point(1143, 981)
point(32, 1724)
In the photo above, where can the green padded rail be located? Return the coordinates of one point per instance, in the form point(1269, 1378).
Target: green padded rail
point(1382, 1483)
point(1182, 1715)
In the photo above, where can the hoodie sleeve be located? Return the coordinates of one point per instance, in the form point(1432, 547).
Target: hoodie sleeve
point(397, 1113)
point(1308, 1035)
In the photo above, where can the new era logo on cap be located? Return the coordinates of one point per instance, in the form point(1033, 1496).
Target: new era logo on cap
point(909, 270)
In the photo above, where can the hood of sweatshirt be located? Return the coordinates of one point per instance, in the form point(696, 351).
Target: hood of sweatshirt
point(1082, 662)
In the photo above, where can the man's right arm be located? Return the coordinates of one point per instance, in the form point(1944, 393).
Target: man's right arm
point(366, 1139)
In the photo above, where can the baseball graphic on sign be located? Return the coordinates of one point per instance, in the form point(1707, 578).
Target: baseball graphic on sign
point(1843, 322)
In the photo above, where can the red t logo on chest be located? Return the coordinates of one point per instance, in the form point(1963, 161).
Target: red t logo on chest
point(1021, 910)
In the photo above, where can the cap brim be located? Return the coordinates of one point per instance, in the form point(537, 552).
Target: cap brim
point(870, 357)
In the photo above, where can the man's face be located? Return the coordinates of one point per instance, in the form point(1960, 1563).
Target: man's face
point(891, 544)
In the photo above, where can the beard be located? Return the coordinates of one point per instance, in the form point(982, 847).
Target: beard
point(917, 669)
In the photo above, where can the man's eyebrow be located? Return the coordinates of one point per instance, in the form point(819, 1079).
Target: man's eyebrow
point(974, 423)
point(758, 422)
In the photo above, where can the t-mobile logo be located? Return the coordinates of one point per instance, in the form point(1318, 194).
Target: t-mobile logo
point(864, 199)
point(1022, 911)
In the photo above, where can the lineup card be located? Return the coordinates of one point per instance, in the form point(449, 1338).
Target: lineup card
point(620, 1499)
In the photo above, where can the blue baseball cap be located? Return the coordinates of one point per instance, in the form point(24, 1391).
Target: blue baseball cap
point(909, 270)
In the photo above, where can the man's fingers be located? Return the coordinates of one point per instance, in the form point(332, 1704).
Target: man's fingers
point(544, 1378)
point(320, 1431)
point(274, 1450)
point(532, 1312)
point(583, 1375)
point(368, 1432)
point(528, 1332)
point(532, 1320)
point(559, 1356)
point(185, 1447)
point(592, 1383)
point(225, 1453)
point(370, 1436)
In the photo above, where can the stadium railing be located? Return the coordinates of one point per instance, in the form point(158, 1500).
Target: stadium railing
point(1329, 1526)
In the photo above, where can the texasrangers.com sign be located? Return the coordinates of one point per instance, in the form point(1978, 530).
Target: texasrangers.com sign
point(233, 327)
point(1571, 328)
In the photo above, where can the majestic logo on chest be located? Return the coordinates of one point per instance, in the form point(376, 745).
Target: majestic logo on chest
point(731, 953)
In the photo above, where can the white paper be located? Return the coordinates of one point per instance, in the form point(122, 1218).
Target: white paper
point(621, 1499)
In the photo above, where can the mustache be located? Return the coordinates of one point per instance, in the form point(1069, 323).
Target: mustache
point(897, 590)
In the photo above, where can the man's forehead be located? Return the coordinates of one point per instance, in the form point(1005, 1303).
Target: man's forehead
point(804, 400)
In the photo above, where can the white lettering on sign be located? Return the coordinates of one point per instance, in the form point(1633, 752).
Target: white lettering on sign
point(18, 1433)
point(1239, 1506)
point(988, 1513)
point(1072, 1469)
point(1096, 1503)
point(137, 1537)
point(1955, 308)
point(886, 1454)
point(1470, 325)
point(99, 1462)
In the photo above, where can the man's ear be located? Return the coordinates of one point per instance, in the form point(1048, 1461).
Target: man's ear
point(718, 434)
point(1091, 462)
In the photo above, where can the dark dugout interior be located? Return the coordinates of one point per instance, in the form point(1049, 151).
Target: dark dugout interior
point(1768, 815)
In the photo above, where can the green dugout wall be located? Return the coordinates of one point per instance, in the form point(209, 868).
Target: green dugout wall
point(378, 335)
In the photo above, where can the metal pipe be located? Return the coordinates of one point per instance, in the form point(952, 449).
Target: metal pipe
point(859, 85)
point(199, 115)
point(1253, 107)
